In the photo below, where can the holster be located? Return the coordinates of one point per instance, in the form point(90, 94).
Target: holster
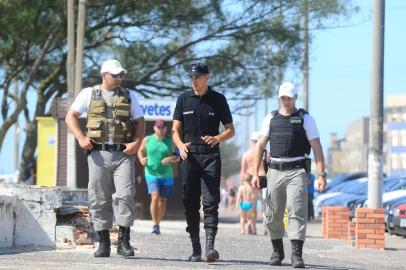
point(265, 162)
point(307, 165)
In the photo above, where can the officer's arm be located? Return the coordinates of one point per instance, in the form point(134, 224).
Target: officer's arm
point(319, 158)
point(177, 133)
point(176, 137)
point(256, 159)
point(227, 133)
point(258, 149)
point(72, 121)
point(141, 153)
point(140, 131)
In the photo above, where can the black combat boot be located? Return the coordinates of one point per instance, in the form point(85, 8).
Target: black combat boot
point(123, 244)
point(278, 254)
point(104, 244)
point(211, 253)
point(297, 260)
point(197, 248)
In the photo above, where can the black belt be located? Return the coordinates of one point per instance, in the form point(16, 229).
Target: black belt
point(109, 147)
point(203, 149)
point(283, 166)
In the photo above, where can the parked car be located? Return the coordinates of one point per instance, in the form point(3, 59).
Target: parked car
point(388, 207)
point(398, 219)
point(339, 179)
point(354, 192)
point(394, 187)
point(358, 186)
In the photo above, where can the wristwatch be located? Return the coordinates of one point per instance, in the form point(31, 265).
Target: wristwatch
point(323, 174)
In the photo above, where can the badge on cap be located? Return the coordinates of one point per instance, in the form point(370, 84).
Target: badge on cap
point(194, 68)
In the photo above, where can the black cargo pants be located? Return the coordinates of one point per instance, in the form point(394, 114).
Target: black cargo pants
point(201, 178)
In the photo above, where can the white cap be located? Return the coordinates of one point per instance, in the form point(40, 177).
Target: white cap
point(113, 67)
point(287, 89)
point(255, 136)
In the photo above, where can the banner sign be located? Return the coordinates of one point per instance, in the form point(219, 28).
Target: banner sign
point(157, 109)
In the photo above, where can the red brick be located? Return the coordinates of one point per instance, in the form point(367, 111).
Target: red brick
point(375, 236)
point(375, 226)
point(379, 242)
point(360, 236)
point(364, 210)
point(366, 241)
point(366, 220)
point(379, 211)
point(360, 215)
point(380, 221)
point(367, 231)
point(360, 226)
point(373, 215)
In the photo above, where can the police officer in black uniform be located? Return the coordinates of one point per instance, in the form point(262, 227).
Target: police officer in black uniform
point(196, 121)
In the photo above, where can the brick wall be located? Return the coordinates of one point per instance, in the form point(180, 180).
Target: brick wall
point(370, 228)
point(335, 222)
point(351, 233)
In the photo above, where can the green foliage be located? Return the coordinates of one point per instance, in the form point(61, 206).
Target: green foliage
point(230, 159)
point(244, 42)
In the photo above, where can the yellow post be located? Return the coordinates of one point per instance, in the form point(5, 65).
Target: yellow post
point(46, 161)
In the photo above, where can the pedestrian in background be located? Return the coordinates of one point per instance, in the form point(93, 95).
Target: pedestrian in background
point(247, 196)
point(292, 133)
point(196, 122)
point(157, 153)
point(246, 172)
point(115, 127)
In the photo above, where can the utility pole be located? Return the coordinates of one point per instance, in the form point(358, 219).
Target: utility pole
point(16, 134)
point(305, 65)
point(74, 77)
point(79, 46)
point(375, 159)
point(70, 69)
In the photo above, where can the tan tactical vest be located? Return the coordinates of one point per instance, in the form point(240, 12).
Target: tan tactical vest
point(117, 124)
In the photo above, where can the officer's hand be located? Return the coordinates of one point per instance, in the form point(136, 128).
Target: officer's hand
point(86, 143)
point(130, 149)
point(321, 184)
point(143, 161)
point(210, 140)
point(183, 150)
point(255, 181)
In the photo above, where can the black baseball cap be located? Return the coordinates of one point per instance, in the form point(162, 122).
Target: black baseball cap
point(198, 69)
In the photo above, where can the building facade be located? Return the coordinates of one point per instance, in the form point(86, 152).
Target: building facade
point(395, 139)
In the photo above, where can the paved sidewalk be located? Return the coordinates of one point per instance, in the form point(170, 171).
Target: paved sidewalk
point(171, 250)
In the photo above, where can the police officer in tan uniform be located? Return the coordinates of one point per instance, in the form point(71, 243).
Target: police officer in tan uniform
point(115, 127)
point(291, 133)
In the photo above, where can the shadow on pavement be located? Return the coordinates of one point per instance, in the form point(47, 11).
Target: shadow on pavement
point(24, 249)
point(316, 266)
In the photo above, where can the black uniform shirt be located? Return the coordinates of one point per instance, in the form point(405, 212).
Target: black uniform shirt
point(201, 116)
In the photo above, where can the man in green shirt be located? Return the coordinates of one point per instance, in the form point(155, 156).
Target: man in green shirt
point(156, 153)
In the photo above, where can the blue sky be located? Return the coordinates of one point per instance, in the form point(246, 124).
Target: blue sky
point(340, 68)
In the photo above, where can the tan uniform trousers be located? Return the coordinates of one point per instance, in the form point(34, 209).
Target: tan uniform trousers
point(287, 189)
point(111, 189)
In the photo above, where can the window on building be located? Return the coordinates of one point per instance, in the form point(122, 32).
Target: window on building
point(394, 138)
point(403, 137)
point(394, 161)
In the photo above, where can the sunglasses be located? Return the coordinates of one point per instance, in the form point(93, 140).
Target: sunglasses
point(121, 75)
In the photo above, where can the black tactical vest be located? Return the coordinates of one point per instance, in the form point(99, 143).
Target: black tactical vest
point(287, 137)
